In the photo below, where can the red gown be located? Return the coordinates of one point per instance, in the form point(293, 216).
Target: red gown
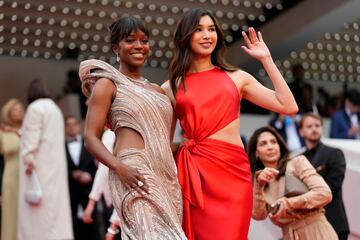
point(214, 175)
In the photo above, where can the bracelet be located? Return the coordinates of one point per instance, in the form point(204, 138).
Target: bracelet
point(112, 231)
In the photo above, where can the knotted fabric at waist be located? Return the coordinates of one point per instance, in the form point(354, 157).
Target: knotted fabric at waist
point(188, 164)
point(189, 144)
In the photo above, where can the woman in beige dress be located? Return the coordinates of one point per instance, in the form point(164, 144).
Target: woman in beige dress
point(142, 171)
point(300, 217)
point(12, 115)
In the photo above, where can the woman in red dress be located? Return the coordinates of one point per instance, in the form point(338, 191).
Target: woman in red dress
point(213, 168)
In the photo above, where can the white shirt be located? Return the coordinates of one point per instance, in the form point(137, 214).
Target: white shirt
point(354, 120)
point(292, 137)
point(100, 185)
point(75, 149)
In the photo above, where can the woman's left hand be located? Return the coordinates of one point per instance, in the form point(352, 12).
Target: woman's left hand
point(256, 47)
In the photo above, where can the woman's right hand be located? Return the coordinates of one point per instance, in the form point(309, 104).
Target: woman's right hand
point(266, 175)
point(132, 178)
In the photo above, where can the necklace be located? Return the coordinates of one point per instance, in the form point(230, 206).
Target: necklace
point(142, 81)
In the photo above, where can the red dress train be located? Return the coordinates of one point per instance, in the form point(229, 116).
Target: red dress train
point(214, 175)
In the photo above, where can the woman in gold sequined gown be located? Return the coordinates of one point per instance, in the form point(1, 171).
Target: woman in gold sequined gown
point(142, 177)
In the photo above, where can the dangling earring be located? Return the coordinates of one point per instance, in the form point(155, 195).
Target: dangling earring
point(117, 58)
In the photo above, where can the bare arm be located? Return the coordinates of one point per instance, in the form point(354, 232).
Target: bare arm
point(279, 100)
point(98, 107)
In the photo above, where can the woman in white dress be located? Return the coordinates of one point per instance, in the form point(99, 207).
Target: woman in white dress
point(42, 150)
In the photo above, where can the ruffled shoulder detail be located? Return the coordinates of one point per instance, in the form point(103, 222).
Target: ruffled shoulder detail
point(91, 70)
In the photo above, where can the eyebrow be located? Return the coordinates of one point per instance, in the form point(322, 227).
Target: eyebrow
point(212, 25)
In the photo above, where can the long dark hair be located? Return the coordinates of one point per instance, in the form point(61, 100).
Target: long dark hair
point(183, 56)
point(123, 27)
point(255, 163)
point(36, 90)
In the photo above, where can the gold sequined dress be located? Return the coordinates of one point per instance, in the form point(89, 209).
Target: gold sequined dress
point(157, 215)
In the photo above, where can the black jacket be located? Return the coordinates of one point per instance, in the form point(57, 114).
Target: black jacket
point(330, 164)
point(87, 164)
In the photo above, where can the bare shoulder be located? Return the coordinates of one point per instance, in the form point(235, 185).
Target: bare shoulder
point(158, 88)
point(104, 87)
point(240, 75)
point(166, 85)
point(168, 91)
point(105, 82)
point(240, 78)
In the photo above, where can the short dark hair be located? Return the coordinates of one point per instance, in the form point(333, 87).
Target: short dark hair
point(123, 27)
point(353, 96)
point(310, 114)
point(37, 89)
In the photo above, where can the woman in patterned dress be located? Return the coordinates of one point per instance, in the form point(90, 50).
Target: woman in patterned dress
point(142, 176)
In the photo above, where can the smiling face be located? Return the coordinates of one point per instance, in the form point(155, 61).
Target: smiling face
point(268, 149)
point(203, 40)
point(133, 50)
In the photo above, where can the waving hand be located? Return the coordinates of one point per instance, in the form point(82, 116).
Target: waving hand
point(256, 47)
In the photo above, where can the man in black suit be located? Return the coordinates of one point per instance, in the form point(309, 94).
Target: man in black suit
point(330, 164)
point(81, 169)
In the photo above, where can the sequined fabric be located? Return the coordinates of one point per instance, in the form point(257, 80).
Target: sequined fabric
point(157, 215)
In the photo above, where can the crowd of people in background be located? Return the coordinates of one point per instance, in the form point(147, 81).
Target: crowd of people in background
point(41, 147)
